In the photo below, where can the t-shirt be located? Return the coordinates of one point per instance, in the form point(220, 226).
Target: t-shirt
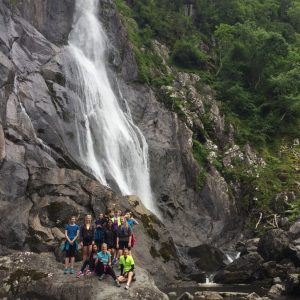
point(127, 262)
point(124, 234)
point(130, 223)
point(72, 230)
point(104, 257)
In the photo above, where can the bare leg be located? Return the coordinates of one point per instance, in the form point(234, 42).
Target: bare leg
point(67, 262)
point(72, 262)
point(84, 253)
point(130, 276)
point(90, 247)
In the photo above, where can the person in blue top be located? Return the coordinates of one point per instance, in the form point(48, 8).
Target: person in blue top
point(103, 265)
point(71, 245)
point(131, 221)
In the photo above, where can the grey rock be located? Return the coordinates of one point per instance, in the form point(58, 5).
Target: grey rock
point(292, 284)
point(53, 18)
point(274, 245)
point(207, 258)
point(2, 144)
point(172, 295)
point(277, 280)
point(27, 274)
point(6, 69)
point(276, 291)
point(245, 269)
point(294, 231)
point(253, 296)
point(186, 296)
point(208, 295)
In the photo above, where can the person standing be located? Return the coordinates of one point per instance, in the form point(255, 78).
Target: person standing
point(87, 235)
point(71, 244)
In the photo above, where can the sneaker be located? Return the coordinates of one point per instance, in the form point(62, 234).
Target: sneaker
point(118, 283)
point(126, 287)
point(79, 274)
point(115, 261)
point(66, 271)
point(102, 277)
point(71, 271)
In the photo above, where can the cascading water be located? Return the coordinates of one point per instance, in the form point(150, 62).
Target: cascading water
point(109, 143)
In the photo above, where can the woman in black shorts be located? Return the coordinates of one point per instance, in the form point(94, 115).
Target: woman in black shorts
point(124, 235)
point(87, 234)
point(110, 239)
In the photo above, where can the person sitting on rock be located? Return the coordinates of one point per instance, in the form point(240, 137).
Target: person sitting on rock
point(127, 269)
point(87, 235)
point(91, 263)
point(71, 244)
point(100, 229)
point(110, 240)
point(103, 265)
point(124, 235)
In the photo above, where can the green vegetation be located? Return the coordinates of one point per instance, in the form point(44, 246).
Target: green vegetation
point(249, 52)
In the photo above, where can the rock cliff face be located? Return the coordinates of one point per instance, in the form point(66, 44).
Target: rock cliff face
point(37, 145)
point(40, 182)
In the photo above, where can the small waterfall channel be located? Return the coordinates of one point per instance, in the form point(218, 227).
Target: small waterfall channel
point(110, 145)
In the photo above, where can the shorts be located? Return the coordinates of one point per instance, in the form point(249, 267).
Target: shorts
point(87, 242)
point(71, 251)
point(99, 242)
point(123, 244)
point(111, 246)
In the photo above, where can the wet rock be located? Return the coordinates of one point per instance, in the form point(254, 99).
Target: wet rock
point(186, 296)
point(276, 291)
point(208, 258)
point(208, 295)
point(249, 246)
point(253, 296)
point(245, 269)
point(172, 295)
point(274, 245)
point(292, 284)
point(272, 269)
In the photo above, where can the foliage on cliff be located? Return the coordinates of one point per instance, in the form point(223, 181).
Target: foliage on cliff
point(248, 51)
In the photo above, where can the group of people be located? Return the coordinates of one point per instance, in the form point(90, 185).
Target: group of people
point(105, 243)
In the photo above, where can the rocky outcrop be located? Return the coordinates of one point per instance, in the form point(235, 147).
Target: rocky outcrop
point(274, 245)
point(31, 276)
point(245, 269)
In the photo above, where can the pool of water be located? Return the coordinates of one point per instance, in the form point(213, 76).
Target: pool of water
point(238, 288)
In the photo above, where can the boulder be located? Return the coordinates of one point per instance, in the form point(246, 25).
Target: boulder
point(245, 269)
point(272, 269)
point(208, 258)
point(276, 291)
point(32, 276)
point(294, 231)
point(247, 246)
point(292, 284)
point(208, 295)
point(186, 296)
point(274, 245)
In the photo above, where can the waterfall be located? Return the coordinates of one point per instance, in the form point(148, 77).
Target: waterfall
point(109, 144)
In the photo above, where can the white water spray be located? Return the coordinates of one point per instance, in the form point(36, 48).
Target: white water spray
point(109, 143)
